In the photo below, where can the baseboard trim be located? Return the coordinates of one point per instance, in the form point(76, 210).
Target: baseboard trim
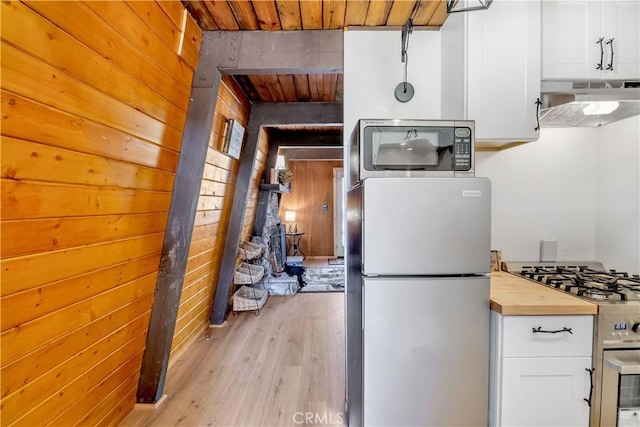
point(152, 406)
point(222, 325)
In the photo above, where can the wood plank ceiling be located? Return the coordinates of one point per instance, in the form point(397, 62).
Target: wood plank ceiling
point(278, 15)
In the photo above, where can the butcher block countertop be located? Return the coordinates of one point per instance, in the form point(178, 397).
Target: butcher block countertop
point(514, 296)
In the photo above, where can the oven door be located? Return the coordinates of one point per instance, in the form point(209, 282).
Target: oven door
point(621, 388)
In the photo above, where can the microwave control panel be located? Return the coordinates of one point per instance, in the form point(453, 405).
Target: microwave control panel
point(462, 149)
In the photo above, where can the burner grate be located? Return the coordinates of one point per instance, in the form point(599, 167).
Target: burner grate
point(583, 281)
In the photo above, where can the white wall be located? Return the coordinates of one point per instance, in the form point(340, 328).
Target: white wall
point(578, 185)
point(618, 196)
point(373, 68)
point(544, 190)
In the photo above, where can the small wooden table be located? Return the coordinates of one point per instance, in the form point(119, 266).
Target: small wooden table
point(294, 243)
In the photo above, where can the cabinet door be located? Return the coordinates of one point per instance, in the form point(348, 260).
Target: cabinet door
point(570, 31)
point(504, 70)
point(621, 22)
point(545, 391)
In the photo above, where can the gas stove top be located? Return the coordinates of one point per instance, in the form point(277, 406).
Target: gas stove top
point(587, 280)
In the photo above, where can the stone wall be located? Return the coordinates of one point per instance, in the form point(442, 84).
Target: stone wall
point(272, 240)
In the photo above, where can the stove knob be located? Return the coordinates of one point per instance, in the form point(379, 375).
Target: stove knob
point(636, 328)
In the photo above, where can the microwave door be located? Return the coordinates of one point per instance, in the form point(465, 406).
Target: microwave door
point(414, 154)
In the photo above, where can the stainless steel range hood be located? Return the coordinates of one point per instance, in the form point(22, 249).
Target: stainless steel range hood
point(585, 104)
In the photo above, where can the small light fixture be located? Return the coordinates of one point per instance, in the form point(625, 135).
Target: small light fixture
point(280, 162)
point(290, 217)
point(404, 91)
point(454, 6)
point(600, 107)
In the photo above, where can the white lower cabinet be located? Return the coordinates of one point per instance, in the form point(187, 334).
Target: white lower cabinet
point(545, 391)
point(540, 378)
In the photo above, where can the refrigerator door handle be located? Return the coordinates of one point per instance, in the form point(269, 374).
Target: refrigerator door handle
point(362, 311)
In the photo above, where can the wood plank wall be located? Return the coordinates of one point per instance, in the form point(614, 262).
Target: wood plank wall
point(254, 192)
point(312, 187)
point(212, 218)
point(94, 100)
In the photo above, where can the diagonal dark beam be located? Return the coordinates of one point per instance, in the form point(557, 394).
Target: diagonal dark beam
point(181, 218)
point(262, 115)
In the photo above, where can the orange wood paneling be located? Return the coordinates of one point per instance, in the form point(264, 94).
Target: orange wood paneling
point(26, 369)
point(28, 236)
point(378, 12)
point(223, 15)
point(21, 307)
point(356, 12)
point(267, 15)
point(311, 188)
point(174, 10)
point(289, 12)
point(24, 160)
point(311, 11)
point(43, 39)
point(118, 33)
point(28, 76)
point(93, 104)
point(191, 41)
point(245, 15)
point(29, 120)
point(333, 14)
point(155, 18)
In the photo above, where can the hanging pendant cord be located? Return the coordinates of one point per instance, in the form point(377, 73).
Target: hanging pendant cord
point(406, 65)
point(406, 30)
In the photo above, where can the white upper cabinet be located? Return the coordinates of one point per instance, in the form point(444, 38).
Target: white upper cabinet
point(499, 52)
point(590, 39)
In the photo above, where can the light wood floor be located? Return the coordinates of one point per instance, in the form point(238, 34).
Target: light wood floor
point(284, 367)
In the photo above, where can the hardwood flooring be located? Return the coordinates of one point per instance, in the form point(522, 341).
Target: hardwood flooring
point(284, 367)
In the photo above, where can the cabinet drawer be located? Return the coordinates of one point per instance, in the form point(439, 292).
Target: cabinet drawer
point(520, 340)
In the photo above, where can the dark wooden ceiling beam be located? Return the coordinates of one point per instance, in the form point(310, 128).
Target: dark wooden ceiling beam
point(287, 138)
point(286, 52)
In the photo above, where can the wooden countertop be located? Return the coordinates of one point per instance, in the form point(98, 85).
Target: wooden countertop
point(514, 296)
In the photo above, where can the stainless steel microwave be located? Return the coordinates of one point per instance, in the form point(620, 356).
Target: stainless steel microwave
point(412, 148)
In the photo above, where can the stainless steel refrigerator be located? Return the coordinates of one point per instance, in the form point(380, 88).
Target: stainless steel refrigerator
point(418, 301)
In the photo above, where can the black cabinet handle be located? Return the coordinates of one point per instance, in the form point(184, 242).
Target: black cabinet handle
point(590, 371)
point(599, 66)
point(538, 104)
point(564, 329)
point(610, 64)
